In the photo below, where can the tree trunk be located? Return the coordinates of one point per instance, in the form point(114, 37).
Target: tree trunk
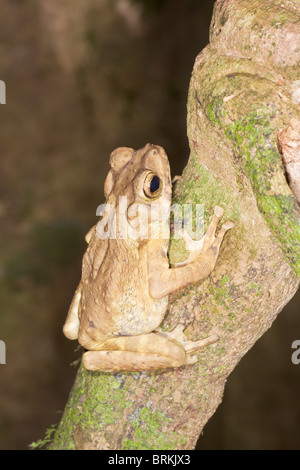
point(243, 90)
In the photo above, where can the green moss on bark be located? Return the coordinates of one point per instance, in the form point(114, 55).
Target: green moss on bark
point(252, 141)
point(96, 401)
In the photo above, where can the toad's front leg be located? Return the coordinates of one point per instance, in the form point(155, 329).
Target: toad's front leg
point(164, 280)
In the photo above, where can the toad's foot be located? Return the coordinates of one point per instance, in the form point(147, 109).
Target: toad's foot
point(189, 346)
point(209, 241)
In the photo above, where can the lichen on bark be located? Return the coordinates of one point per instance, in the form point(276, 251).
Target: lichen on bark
point(240, 96)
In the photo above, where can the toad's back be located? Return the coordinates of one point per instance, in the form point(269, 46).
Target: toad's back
point(115, 299)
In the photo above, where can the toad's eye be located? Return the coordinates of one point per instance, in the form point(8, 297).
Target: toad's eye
point(152, 186)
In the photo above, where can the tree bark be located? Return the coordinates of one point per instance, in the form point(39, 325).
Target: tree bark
point(242, 92)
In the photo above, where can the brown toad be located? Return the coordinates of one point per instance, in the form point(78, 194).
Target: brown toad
point(123, 293)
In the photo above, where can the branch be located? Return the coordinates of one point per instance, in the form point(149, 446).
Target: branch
point(240, 96)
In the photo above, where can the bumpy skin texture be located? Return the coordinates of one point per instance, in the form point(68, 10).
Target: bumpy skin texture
point(123, 293)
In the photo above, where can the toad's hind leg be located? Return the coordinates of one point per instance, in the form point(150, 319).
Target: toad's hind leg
point(144, 352)
point(135, 353)
point(71, 326)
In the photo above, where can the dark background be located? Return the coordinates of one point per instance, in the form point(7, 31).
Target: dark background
point(83, 78)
